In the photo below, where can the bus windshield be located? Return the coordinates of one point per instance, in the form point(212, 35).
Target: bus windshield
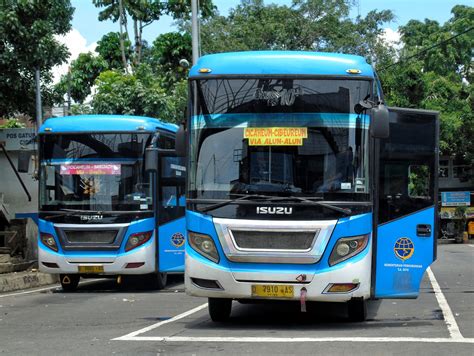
point(95, 172)
point(279, 136)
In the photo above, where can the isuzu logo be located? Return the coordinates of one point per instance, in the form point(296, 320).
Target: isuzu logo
point(274, 210)
point(91, 217)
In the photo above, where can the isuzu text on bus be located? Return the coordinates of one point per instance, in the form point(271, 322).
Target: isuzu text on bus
point(303, 185)
point(107, 207)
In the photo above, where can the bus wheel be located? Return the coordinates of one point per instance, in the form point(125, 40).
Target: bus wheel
point(158, 280)
point(357, 309)
point(69, 282)
point(220, 309)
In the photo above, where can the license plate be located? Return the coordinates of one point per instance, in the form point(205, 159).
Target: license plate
point(272, 291)
point(91, 269)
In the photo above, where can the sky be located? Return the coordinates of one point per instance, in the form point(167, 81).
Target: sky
point(87, 29)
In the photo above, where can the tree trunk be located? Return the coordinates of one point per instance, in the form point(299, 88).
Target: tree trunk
point(122, 44)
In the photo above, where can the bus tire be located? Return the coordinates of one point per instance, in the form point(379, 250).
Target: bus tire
point(357, 310)
point(220, 309)
point(69, 282)
point(158, 280)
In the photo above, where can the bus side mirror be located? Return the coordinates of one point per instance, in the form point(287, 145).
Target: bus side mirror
point(180, 142)
point(151, 159)
point(380, 124)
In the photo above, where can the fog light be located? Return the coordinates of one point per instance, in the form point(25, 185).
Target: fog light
point(342, 287)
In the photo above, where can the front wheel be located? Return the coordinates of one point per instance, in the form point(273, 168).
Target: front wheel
point(69, 282)
point(157, 281)
point(220, 309)
point(357, 310)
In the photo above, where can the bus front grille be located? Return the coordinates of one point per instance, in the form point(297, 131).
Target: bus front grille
point(90, 236)
point(274, 240)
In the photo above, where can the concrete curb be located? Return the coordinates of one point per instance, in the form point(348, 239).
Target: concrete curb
point(10, 282)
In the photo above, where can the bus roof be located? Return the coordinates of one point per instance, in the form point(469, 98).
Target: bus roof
point(281, 63)
point(104, 123)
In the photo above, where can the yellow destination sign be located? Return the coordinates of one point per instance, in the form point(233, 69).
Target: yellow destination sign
point(276, 136)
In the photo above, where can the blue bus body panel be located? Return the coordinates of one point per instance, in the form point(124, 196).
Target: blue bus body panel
point(104, 123)
point(350, 226)
point(171, 242)
point(282, 63)
point(402, 257)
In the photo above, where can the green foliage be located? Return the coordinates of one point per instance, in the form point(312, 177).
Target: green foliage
point(438, 79)
point(12, 124)
point(84, 71)
point(316, 25)
point(167, 51)
point(27, 42)
point(135, 94)
point(108, 48)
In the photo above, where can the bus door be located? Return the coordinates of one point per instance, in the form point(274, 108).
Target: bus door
point(405, 215)
point(171, 208)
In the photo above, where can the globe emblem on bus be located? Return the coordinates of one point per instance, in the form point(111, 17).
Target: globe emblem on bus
point(404, 248)
point(177, 239)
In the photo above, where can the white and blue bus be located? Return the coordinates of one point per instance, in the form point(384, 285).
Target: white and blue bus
point(303, 185)
point(106, 206)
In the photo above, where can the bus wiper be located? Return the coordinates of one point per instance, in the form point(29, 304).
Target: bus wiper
point(230, 201)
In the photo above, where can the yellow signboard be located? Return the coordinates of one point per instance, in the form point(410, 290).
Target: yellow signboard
point(275, 136)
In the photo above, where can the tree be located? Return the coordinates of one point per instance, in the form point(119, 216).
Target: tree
point(83, 72)
point(27, 42)
point(435, 72)
point(143, 13)
point(136, 94)
point(108, 48)
point(316, 25)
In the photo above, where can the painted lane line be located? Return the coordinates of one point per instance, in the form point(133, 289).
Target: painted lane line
point(471, 245)
point(56, 286)
point(182, 339)
point(451, 323)
point(133, 335)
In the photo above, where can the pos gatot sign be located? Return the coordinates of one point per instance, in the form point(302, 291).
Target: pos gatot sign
point(276, 136)
point(90, 169)
point(455, 198)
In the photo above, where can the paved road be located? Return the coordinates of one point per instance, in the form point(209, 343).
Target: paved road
point(102, 319)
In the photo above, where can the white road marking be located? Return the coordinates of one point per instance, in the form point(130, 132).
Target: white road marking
point(293, 339)
point(133, 335)
point(451, 323)
point(453, 329)
point(471, 245)
point(56, 286)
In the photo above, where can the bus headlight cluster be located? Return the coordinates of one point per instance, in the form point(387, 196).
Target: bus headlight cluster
point(49, 241)
point(137, 239)
point(347, 247)
point(204, 245)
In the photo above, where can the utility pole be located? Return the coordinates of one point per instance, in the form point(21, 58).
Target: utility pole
point(195, 29)
point(39, 116)
point(69, 91)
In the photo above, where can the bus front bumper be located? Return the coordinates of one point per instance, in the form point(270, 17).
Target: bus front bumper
point(139, 261)
point(229, 284)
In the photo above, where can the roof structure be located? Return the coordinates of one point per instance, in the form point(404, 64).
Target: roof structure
point(104, 123)
point(281, 63)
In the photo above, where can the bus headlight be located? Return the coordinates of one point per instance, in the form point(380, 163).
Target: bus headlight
point(49, 241)
point(347, 247)
point(204, 245)
point(137, 239)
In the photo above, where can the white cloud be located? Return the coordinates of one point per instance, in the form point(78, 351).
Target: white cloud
point(76, 44)
point(391, 37)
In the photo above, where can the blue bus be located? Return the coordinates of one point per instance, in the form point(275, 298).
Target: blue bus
point(303, 185)
point(106, 206)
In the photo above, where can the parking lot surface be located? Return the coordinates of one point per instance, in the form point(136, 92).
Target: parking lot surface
point(101, 318)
